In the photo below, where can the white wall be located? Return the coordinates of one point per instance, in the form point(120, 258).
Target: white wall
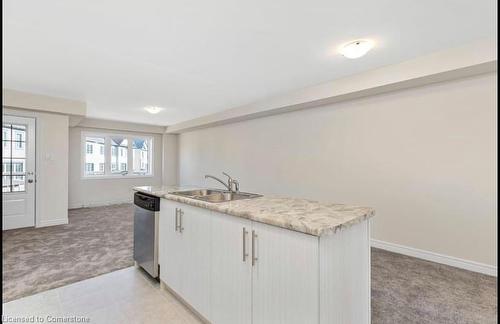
point(424, 158)
point(51, 166)
point(170, 159)
point(96, 192)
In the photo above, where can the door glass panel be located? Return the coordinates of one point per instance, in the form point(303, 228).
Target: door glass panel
point(5, 183)
point(19, 133)
point(6, 132)
point(18, 183)
point(6, 150)
point(14, 158)
point(18, 166)
point(6, 167)
point(18, 150)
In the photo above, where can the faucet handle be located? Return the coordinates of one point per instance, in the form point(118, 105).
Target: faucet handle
point(232, 182)
point(236, 185)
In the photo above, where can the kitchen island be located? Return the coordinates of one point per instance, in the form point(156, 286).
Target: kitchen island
point(267, 259)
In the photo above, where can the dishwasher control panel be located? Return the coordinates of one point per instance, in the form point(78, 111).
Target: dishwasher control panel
point(145, 201)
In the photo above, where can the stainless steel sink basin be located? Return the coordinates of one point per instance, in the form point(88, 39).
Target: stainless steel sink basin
point(215, 196)
point(196, 192)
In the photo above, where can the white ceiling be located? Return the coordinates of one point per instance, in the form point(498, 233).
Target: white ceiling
point(199, 57)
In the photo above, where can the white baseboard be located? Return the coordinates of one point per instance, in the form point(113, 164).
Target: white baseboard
point(436, 257)
point(100, 203)
point(53, 222)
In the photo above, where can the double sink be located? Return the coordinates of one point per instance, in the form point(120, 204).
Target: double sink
point(214, 195)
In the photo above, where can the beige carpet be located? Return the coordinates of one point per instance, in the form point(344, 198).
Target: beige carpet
point(96, 241)
point(409, 290)
point(100, 240)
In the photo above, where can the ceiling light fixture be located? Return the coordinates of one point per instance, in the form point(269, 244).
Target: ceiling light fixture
point(153, 109)
point(356, 48)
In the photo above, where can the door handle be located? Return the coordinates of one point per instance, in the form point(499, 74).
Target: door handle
point(254, 258)
point(245, 254)
point(30, 180)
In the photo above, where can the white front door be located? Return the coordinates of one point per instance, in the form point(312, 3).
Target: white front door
point(18, 172)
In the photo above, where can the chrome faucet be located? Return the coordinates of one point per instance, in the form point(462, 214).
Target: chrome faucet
point(231, 183)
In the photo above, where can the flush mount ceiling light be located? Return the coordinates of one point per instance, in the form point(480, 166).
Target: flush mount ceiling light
point(153, 109)
point(356, 48)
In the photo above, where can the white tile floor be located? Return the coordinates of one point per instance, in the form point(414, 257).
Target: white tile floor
point(123, 296)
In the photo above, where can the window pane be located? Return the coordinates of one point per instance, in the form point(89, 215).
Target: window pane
point(18, 149)
point(119, 152)
point(94, 155)
point(19, 133)
point(18, 183)
point(18, 166)
point(6, 132)
point(89, 167)
point(5, 183)
point(140, 155)
point(18, 146)
point(6, 149)
point(6, 167)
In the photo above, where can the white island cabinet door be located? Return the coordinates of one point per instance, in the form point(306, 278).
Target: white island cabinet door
point(171, 247)
point(231, 270)
point(285, 276)
point(195, 224)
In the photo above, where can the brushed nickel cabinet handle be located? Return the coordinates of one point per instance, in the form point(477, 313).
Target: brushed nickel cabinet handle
point(254, 258)
point(245, 254)
point(176, 219)
point(181, 213)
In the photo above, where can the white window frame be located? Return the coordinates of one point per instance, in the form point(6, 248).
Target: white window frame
point(107, 156)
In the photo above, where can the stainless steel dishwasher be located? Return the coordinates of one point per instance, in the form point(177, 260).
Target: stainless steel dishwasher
point(146, 214)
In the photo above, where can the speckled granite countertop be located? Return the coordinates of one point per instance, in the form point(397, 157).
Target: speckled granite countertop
point(301, 215)
point(160, 191)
